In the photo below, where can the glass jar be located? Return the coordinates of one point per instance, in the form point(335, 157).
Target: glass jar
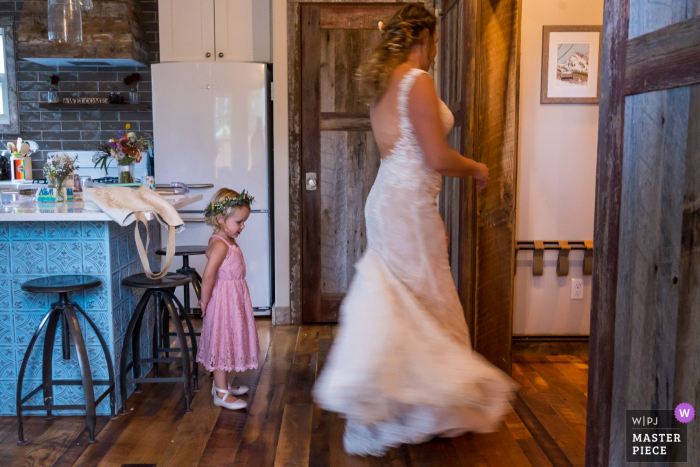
point(126, 173)
point(57, 184)
point(65, 22)
point(52, 96)
point(133, 96)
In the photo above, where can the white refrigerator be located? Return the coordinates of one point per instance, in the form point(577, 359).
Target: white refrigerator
point(212, 125)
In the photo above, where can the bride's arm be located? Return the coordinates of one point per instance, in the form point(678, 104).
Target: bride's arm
point(424, 113)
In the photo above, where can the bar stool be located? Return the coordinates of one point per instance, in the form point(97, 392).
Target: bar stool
point(64, 309)
point(186, 270)
point(161, 291)
point(185, 251)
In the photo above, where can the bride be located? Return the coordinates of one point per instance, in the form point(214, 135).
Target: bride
point(402, 369)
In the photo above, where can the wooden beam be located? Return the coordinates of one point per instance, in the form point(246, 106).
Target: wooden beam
point(666, 58)
point(345, 121)
point(295, 182)
point(311, 284)
point(339, 16)
point(496, 142)
point(606, 231)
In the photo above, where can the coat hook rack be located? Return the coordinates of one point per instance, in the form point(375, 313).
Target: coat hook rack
point(538, 258)
point(563, 260)
point(564, 247)
point(588, 258)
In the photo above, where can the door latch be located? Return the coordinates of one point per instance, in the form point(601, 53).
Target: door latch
point(311, 182)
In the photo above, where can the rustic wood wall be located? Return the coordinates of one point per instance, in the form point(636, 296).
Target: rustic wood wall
point(645, 315)
point(495, 133)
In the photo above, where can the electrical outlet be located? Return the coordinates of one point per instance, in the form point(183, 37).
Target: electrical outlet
point(576, 289)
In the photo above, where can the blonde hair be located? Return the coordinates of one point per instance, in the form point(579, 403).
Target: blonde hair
point(399, 35)
point(221, 195)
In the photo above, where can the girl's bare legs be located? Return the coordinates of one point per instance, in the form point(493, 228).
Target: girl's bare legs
point(221, 382)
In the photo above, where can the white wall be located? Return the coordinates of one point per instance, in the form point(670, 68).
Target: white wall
point(556, 178)
point(281, 157)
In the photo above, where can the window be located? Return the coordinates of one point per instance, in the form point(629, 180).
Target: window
point(9, 105)
point(4, 116)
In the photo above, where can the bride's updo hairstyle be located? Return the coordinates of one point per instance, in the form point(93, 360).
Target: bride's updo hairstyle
point(399, 35)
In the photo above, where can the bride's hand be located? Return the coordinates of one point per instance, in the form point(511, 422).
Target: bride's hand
point(481, 176)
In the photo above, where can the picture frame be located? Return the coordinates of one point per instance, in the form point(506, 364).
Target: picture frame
point(571, 64)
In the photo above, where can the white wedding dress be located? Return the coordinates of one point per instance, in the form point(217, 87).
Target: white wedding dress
point(402, 369)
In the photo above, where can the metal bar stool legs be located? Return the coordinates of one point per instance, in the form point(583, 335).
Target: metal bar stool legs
point(193, 339)
point(159, 291)
point(65, 311)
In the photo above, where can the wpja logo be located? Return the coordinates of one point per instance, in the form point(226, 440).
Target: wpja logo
point(658, 435)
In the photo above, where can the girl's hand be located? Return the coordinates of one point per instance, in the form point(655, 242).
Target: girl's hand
point(203, 306)
point(481, 176)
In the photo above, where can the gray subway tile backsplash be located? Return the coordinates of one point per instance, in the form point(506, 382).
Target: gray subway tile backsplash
point(79, 130)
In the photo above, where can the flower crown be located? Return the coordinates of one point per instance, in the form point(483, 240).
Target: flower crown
point(244, 199)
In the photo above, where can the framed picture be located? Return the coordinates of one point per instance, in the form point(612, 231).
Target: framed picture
point(571, 64)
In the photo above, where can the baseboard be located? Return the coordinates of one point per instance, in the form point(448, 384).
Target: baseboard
point(550, 345)
point(281, 315)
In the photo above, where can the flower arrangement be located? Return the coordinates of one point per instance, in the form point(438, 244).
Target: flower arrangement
point(52, 95)
point(244, 199)
point(53, 80)
point(132, 80)
point(57, 169)
point(126, 149)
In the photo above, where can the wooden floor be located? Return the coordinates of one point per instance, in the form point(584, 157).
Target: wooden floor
point(282, 427)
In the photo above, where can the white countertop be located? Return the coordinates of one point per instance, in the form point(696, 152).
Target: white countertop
point(26, 209)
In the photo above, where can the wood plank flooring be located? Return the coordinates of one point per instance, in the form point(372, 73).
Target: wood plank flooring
point(283, 428)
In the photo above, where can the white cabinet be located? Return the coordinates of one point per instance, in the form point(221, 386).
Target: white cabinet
point(186, 30)
point(215, 30)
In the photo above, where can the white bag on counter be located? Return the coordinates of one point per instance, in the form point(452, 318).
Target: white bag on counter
point(126, 205)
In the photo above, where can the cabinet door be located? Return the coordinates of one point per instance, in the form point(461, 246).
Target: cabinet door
point(186, 30)
point(243, 30)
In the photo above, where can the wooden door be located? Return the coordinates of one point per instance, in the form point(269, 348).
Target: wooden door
point(243, 30)
point(337, 146)
point(645, 310)
point(457, 198)
point(186, 30)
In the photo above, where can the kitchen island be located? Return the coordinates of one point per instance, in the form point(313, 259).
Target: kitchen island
point(68, 238)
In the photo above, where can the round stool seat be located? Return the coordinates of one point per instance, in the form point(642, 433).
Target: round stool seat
point(170, 281)
point(185, 250)
point(59, 284)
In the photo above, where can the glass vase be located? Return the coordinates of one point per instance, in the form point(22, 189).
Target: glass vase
point(126, 173)
point(52, 96)
point(65, 23)
point(134, 96)
point(58, 184)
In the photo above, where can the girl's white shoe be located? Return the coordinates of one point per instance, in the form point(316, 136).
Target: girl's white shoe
point(239, 391)
point(235, 405)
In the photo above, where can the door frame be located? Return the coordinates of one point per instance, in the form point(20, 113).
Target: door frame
point(296, 185)
point(492, 139)
point(659, 60)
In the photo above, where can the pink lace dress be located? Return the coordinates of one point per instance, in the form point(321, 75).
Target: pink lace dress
point(229, 339)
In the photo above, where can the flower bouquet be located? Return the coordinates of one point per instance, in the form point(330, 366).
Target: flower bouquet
point(52, 95)
point(126, 149)
point(133, 81)
point(57, 169)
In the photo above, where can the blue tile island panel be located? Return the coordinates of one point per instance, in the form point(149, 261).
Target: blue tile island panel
point(29, 250)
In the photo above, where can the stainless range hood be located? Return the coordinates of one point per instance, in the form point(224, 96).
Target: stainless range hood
point(112, 36)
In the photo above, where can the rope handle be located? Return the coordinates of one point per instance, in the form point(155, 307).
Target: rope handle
point(170, 251)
